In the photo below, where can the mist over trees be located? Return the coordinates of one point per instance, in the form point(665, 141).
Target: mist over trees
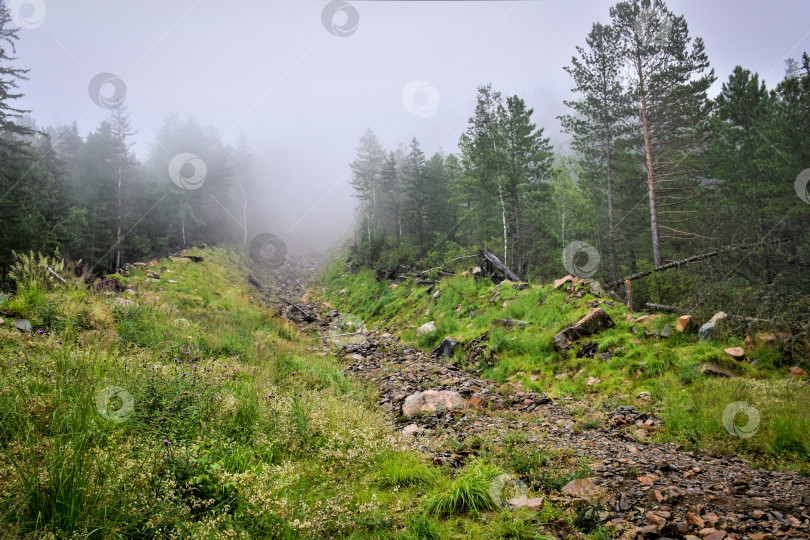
point(90, 198)
point(659, 172)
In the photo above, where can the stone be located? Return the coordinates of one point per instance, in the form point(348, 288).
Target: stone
point(594, 322)
point(23, 325)
point(437, 294)
point(796, 372)
point(581, 489)
point(427, 328)
point(562, 281)
point(593, 381)
point(735, 352)
point(715, 370)
point(666, 331)
point(686, 324)
point(649, 531)
point(654, 519)
point(535, 503)
point(125, 302)
point(2, 322)
point(708, 330)
point(711, 519)
point(596, 289)
point(411, 429)
point(695, 520)
point(446, 348)
point(644, 396)
point(432, 400)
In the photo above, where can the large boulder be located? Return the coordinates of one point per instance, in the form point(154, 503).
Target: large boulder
point(427, 328)
point(446, 348)
point(708, 330)
point(23, 325)
point(432, 400)
point(686, 324)
point(594, 322)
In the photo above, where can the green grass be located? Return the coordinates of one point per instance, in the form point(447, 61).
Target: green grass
point(194, 412)
point(467, 493)
point(627, 363)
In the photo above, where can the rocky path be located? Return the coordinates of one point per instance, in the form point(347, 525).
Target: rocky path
point(648, 490)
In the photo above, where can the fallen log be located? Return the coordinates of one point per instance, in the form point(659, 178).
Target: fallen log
point(493, 260)
point(676, 309)
point(510, 322)
point(309, 318)
point(440, 268)
point(688, 260)
point(664, 308)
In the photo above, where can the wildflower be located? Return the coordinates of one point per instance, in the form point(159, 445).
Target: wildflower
point(184, 374)
point(40, 331)
point(166, 442)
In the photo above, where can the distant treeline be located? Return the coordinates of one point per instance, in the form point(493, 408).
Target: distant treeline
point(659, 172)
point(90, 198)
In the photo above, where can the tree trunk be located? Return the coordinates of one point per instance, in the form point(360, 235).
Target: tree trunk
point(118, 224)
point(503, 217)
point(244, 213)
point(650, 175)
point(611, 224)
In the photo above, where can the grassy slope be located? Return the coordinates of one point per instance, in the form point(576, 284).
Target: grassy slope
point(196, 412)
point(692, 404)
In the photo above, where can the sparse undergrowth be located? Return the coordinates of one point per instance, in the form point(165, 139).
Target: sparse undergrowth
point(188, 409)
point(628, 359)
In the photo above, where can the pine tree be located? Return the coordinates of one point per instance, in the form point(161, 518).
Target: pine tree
point(669, 87)
point(125, 162)
point(527, 161)
point(10, 77)
point(603, 117)
point(415, 184)
point(366, 177)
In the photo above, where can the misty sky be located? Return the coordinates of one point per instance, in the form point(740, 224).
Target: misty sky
point(272, 71)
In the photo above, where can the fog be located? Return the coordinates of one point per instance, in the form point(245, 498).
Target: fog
point(302, 80)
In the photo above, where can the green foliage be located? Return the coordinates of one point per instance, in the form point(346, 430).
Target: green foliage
point(468, 493)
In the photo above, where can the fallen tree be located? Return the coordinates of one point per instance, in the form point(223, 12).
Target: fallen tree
point(684, 262)
point(491, 260)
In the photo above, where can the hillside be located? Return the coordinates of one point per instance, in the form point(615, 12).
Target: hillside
point(193, 399)
point(182, 406)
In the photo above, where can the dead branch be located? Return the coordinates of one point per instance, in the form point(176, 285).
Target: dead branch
point(309, 318)
point(496, 262)
point(688, 260)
